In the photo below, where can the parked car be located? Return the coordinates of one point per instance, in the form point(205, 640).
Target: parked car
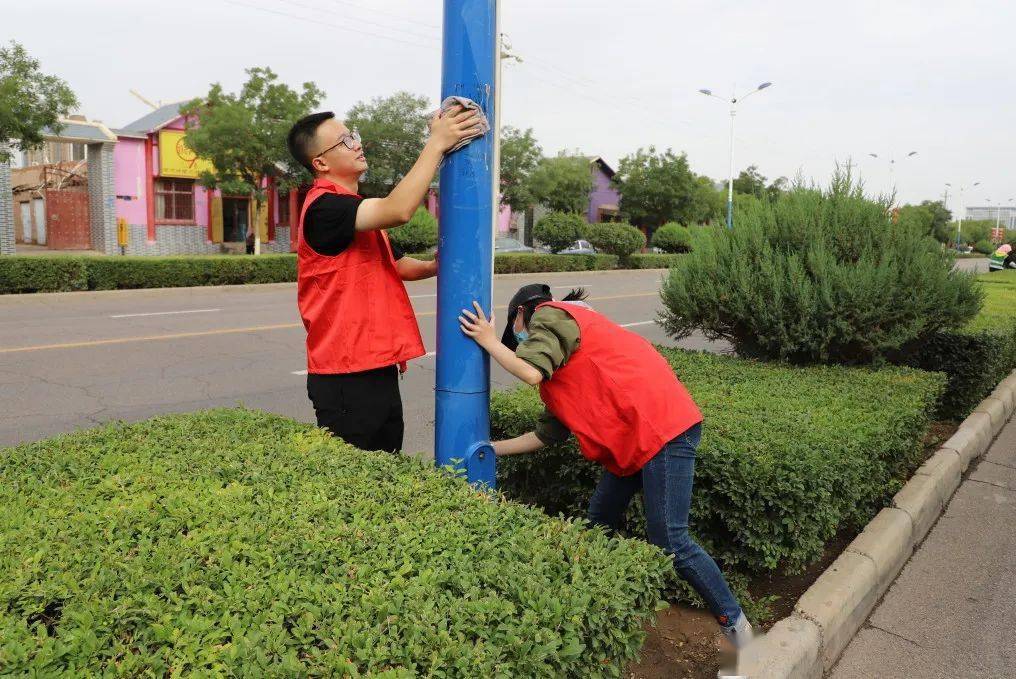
point(579, 247)
point(502, 245)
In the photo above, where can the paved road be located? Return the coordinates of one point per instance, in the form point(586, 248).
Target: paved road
point(952, 611)
point(74, 360)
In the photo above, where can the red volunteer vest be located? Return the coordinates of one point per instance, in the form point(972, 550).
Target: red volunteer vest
point(354, 305)
point(617, 394)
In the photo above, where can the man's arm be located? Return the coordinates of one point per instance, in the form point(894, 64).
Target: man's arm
point(398, 207)
point(414, 269)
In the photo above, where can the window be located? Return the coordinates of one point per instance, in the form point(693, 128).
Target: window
point(174, 200)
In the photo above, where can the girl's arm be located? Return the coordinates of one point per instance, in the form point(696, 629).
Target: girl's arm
point(527, 443)
point(480, 329)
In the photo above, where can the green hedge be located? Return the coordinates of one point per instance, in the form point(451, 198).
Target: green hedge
point(979, 356)
point(119, 273)
point(234, 543)
point(788, 457)
point(65, 274)
point(530, 263)
point(652, 260)
point(43, 274)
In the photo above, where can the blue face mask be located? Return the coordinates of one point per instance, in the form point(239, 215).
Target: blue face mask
point(521, 336)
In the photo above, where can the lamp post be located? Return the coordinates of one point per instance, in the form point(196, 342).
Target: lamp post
point(733, 101)
point(892, 167)
point(959, 208)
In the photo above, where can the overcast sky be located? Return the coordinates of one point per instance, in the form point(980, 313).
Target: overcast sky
point(605, 77)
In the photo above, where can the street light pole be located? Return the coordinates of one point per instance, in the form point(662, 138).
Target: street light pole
point(733, 101)
point(892, 167)
point(960, 207)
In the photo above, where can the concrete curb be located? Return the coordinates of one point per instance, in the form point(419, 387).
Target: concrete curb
point(809, 642)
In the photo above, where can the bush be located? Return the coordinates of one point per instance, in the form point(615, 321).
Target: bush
point(529, 263)
point(616, 238)
point(42, 274)
point(418, 234)
point(558, 230)
point(672, 238)
point(644, 260)
point(985, 247)
point(788, 457)
point(120, 273)
point(237, 543)
point(817, 276)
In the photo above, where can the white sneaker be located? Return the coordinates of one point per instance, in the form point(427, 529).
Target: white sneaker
point(740, 633)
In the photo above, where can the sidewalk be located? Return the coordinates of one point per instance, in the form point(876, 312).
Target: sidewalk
point(952, 611)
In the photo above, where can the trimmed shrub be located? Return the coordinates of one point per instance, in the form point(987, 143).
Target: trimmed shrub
point(418, 234)
point(120, 273)
point(238, 543)
point(650, 260)
point(985, 247)
point(558, 230)
point(788, 456)
point(616, 238)
point(672, 238)
point(817, 276)
point(530, 263)
point(42, 274)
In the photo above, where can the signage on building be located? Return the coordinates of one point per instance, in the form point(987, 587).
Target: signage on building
point(176, 159)
point(997, 235)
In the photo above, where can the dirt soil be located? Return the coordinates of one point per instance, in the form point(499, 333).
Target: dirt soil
point(686, 643)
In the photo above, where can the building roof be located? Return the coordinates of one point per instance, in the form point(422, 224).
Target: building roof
point(80, 131)
point(607, 169)
point(154, 121)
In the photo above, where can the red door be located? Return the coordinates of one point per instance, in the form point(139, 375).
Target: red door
point(67, 220)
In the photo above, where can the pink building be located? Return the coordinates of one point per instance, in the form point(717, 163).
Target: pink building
point(165, 209)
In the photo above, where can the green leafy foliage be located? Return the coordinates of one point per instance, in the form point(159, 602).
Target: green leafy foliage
point(236, 543)
point(985, 247)
point(394, 130)
point(20, 274)
point(418, 234)
point(616, 238)
point(659, 187)
point(30, 101)
point(817, 276)
point(558, 230)
point(520, 155)
point(788, 456)
point(562, 183)
point(651, 260)
point(529, 263)
point(244, 134)
point(672, 238)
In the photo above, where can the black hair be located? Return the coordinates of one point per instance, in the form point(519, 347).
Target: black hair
point(529, 307)
point(302, 135)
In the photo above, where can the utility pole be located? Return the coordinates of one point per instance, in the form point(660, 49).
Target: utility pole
point(469, 205)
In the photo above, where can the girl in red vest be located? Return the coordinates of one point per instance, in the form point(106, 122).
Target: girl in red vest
point(620, 398)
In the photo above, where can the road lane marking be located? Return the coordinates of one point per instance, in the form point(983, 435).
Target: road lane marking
point(635, 325)
point(233, 331)
point(167, 313)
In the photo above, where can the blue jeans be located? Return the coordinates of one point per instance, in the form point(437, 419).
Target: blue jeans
point(666, 484)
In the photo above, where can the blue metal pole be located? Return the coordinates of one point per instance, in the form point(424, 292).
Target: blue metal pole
point(465, 246)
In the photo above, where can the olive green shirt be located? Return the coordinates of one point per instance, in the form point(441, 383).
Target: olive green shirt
point(553, 338)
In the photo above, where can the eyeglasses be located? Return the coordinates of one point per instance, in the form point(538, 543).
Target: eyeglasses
point(350, 140)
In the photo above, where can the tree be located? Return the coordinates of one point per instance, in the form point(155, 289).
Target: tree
point(750, 182)
point(520, 154)
point(417, 235)
point(244, 135)
point(562, 183)
point(394, 130)
point(930, 218)
point(558, 230)
point(708, 202)
point(657, 188)
point(30, 101)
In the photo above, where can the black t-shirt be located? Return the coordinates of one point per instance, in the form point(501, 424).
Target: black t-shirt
point(330, 224)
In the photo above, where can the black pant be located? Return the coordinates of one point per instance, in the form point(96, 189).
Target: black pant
point(364, 409)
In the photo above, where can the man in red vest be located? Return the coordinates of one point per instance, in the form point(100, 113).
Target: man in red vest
point(361, 328)
point(621, 400)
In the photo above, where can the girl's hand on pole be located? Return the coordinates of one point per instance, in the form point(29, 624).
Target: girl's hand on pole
point(476, 326)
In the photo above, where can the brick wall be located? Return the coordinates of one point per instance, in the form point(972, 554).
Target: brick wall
point(6, 211)
point(188, 240)
point(102, 198)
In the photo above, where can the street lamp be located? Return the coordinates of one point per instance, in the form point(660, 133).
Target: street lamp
point(892, 166)
point(959, 224)
point(733, 101)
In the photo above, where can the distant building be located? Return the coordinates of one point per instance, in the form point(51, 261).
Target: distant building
point(1003, 213)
